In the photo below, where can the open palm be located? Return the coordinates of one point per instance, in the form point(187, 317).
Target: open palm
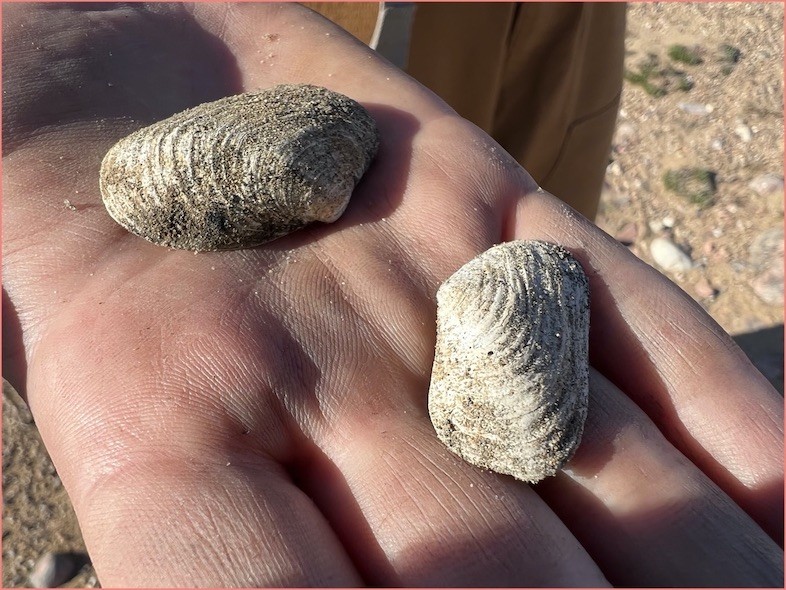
point(259, 417)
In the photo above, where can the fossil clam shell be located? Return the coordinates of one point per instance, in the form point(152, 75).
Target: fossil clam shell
point(509, 384)
point(242, 170)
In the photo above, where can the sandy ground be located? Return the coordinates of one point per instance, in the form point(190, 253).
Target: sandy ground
point(728, 126)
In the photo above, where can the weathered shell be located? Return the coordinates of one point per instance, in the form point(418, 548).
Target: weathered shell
point(510, 378)
point(242, 170)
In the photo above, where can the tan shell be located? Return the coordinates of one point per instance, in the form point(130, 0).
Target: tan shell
point(242, 170)
point(510, 379)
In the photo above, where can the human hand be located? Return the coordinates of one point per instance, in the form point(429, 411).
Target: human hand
point(259, 417)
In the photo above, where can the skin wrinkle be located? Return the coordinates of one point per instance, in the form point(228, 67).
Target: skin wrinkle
point(488, 552)
point(663, 348)
point(369, 333)
point(219, 551)
point(395, 339)
point(339, 279)
point(190, 376)
point(737, 462)
point(157, 410)
point(17, 249)
point(122, 283)
point(267, 520)
point(282, 563)
point(298, 330)
point(465, 517)
point(492, 194)
point(775, 424)
point(213, 547)
point(440, 534)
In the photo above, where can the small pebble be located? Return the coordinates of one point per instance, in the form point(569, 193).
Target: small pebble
point(54, 569)
point(614, 169)
point(669, 256)
point(737, 266)
point(695, 108)
point(766, 247)
point(669, 221)
point(655, 225)
point(611, 197)
point(628, 234)
point(704, 288)
point(768, 286)
point(767, 184)
point(744, 132)
point(623, 136)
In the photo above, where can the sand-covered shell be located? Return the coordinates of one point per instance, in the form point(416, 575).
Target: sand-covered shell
point(509, 384)
point(242, 170)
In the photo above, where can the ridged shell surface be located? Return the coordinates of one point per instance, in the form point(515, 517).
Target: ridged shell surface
point(242, 170)
point(509, 384)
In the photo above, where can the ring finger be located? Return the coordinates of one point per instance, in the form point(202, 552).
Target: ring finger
point(646, 514)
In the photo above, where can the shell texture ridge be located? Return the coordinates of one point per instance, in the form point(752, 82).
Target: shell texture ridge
point(509, 384)
point(242, 170)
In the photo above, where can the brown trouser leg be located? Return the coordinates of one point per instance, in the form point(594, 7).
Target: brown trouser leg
point(543, 79)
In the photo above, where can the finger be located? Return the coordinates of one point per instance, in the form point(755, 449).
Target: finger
point(441, 522)
point(172, 453)
point(202, 524)
point(653, 342)
point(646, 514)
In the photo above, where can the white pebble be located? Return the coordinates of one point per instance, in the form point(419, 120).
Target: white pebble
point(744, 132)
point(769, 285)
point(767, 184)
point(614, 168)
point(669, 221)
point(704, 288)
point(695, 108)
point(624, 133)
point(669, 256)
